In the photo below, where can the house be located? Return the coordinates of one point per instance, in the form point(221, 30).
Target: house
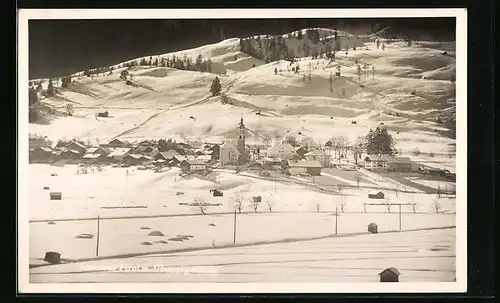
point(74, 145)
point(389, 275)
point(272, 163)
point(192, 166)
point(134, 159)
point(70, 154)
point(204, 158)
point(214, 150)
point(144, 150)
point(431, 171)
point(377, 161)
point(376, 195)
point(177, 159)
point(321, 156)
point(103, 151)
point(229, 153)
point(285, 151)
point(301, 152)
point(298, 167)
point(38, 141)
point(40, 154)
point(91, 158)
point(117, 153)
point(400, 164)
point(166, 155)
point(254, 156)
point(119, 143)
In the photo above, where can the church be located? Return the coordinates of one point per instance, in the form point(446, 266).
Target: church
point(235, 153)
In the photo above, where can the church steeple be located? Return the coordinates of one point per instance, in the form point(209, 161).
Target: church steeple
point(241, 142)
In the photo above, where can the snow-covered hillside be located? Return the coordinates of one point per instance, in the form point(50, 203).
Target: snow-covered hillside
point(405, 87)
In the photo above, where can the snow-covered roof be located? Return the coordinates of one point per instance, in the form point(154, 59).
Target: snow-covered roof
point(401, 160)
point(379, 157)
point(76, 143)
point(91, 156)
point(317, 153)
point(196, 162)
point(169, 154)
point(45, 149)
point(179, 158)
point(282, 148)
point(308, 164)
point(204, 158)
point(230, 145)
point(118, 151)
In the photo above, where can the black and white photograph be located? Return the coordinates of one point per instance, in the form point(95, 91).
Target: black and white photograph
point(242, 150)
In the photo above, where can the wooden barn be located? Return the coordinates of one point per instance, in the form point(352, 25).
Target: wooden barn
point(216, 193)
point(389, 275)
point(376, 195)
point(192, 166)
point(313, 168)
point(119, 143)
point(40, 154)
point(74, 145)
point(402, 164)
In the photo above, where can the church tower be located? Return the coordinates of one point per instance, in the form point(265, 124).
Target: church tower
point(241, 143)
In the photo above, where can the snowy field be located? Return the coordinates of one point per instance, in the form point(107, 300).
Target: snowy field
point(409, 90)
point(133, 205)
point(420, 256)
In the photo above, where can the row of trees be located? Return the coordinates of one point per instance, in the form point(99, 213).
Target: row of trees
point(274, 48)
point(185, 63)
point(237, 203)
point(376, 142)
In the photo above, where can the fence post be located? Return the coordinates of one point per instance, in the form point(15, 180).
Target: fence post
point(399, 217)
point(234, 228)
point(97, 244)
point(336, 218)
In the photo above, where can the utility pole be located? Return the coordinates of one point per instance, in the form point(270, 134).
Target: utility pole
point(234, 229)
point(97, 244)
point(399, 217)
point(336, 219)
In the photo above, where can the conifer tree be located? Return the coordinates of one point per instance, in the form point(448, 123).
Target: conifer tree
point(50, 89)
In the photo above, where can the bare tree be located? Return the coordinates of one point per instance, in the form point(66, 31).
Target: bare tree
point(343, 204)
point(388, 205)
point(237, 202)
point(437, 205)
point(358, 178)
point(200, 205)
point(69, 109)
point(270, 204)
point(414, 207)
point(358, 148)
point(254, 203)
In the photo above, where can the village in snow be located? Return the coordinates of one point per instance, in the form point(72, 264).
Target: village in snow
point(314, 156)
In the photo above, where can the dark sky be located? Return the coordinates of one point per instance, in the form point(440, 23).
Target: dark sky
point(60, 47)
